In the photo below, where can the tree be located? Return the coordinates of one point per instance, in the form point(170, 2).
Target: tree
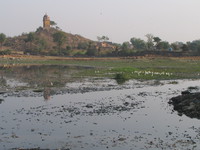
point(157, 40)
point(176, 45)
point(59, 38)
point(42, 43)
point(105, 38)
point(185, 47)
point(138, 43)
point(53, 23)
point(163, 45)
point(83, 45)
point(126, 49)
point(2, 39)
point(30, 38)
point(102, 39)
point(91, 51)
point(150, 41)
point(39, 29)
point(125, 46)
point(194, 45)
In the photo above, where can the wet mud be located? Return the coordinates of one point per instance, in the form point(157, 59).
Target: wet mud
point(94, 114)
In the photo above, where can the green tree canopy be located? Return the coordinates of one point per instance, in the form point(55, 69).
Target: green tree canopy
point(163, 45)
point(125, 46)
point(53, 23)
point(2, 39)
point(157, 40)
point(83, 45)
point(30, 38)
point(185, 47)
point(177, 45)
point(194, 45)
point(138, 43)
point(102, 38)
point(59, 38)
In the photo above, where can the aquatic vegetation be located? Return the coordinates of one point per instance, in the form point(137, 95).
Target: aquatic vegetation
point(121, 78)
point(173, 82)
point(146, 68)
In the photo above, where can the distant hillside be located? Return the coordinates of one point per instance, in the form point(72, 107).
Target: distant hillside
point(43, 42)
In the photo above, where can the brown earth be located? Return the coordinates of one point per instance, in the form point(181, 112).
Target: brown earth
point(33, 57)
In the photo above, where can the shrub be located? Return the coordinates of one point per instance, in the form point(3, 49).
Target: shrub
point(5, 52)
point(92, 52)
point(120, 78)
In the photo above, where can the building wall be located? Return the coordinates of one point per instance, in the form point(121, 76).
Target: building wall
point(46, 23)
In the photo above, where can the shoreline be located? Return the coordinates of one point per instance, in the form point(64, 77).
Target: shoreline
point(37, 57)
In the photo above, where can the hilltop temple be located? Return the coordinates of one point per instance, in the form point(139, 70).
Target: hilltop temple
point(46, 21)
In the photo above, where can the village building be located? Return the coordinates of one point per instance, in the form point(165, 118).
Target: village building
point(105, 46)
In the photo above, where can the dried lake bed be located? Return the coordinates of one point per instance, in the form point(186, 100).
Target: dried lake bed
point(92, 113)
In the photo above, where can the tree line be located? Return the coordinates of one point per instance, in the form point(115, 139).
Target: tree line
point(128, 48)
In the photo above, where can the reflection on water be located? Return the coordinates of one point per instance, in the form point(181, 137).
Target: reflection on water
point(47, 93)
point(38, 76)
point(90, 114)
point(41, 78)
point(134, 118)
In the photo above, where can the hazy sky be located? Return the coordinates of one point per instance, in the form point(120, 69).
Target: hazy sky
point(171, 20)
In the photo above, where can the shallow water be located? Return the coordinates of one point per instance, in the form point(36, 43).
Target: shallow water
point(98, 114)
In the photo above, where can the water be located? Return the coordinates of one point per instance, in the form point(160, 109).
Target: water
point(96, 115)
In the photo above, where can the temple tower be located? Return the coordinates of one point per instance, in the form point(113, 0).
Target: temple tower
point(46, 21)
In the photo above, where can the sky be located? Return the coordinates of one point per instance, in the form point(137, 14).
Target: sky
point(120, 20)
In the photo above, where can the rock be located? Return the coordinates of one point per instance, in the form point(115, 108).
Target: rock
point(126, 103)
point(2, 92)
point(185, 92)
point(187, 103)
point(38, 90)
point(121, 139)
point(1, 100)
point(89, 106)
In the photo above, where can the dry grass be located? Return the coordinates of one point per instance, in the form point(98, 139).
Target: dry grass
point(32, 57)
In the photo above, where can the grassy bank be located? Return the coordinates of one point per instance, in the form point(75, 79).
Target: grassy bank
point(131, 68)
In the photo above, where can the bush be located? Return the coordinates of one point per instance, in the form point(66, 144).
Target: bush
point(5, 52)
point(92, 52)
point(120, 78)
point(83, 45)
point(79, 54)
point(128, 52)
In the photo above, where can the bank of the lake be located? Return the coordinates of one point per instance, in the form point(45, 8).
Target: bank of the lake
point(126, 68)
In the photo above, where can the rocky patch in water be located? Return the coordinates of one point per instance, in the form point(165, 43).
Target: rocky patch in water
point(188, 103)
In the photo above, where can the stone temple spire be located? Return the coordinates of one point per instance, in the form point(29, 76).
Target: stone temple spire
point(46, 21)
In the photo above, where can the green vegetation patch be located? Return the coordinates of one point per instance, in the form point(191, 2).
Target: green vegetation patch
point(154, 68)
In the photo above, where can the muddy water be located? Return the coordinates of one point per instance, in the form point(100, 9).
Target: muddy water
point(92, 114)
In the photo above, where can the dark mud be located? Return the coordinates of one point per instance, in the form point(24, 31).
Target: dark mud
point(188, 104)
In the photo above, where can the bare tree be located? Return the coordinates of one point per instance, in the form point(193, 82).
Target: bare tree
point(150, 41)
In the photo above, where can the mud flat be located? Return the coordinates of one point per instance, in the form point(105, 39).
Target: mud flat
point(96, 115)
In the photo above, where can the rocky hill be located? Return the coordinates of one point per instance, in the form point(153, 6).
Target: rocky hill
point(42, 42)
point(54, 42)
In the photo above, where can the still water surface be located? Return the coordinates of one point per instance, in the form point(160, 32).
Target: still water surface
point(91, 114)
